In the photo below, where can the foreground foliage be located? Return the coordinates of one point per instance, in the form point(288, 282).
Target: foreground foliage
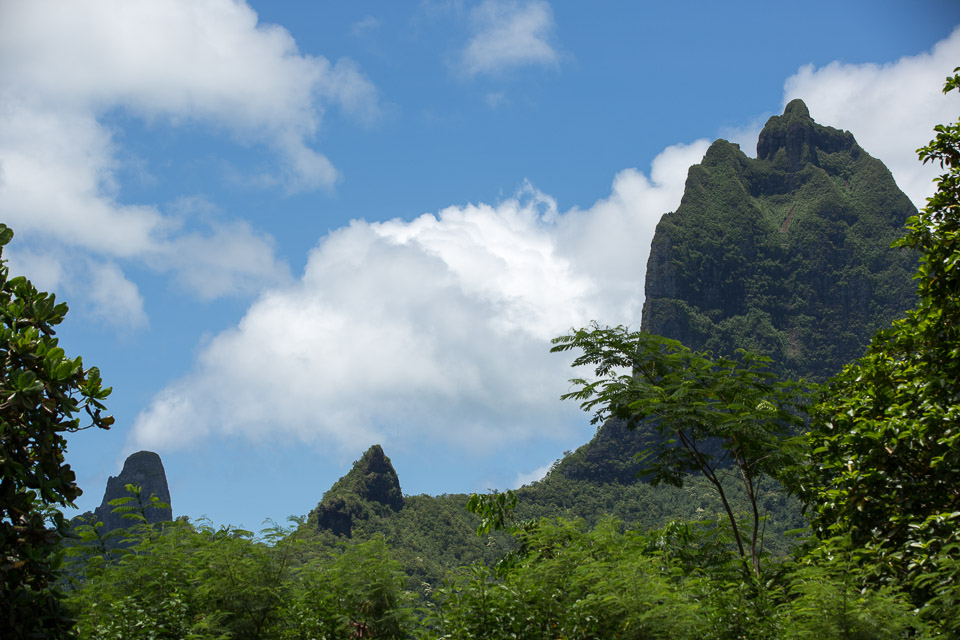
point(683, 581)
point(704, 413)
point(563, 580)
point(43, 394)
point(884, 462)
point(182, 580)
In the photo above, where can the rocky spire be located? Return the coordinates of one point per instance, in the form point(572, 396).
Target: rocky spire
point(378, 481)
point(144, 469)
point(371, 486)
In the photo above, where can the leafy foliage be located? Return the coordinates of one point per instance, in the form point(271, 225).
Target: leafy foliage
point(493, 509)
point(707, 412)
point(43, 393)
point(680, 581)
point(885, 453)
point(178, 580)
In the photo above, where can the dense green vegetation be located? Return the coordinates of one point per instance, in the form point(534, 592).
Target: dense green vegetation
point(884, 458)
point(43, 394)
point(432, 536)
point(702, 414)
point(876, 469)
point(787, 255)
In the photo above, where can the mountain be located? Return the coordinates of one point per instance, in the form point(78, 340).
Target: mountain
point(428, 534)
point(144, 469)
point(787, 254)
point(370, 487)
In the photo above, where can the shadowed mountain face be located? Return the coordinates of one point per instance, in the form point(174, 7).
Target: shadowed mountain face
point(144, 469)
point(787, 255)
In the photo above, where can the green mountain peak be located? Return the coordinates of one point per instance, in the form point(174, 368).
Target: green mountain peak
point(787, 255)
point(793, 140)
point(796, 108)
point(370, 487)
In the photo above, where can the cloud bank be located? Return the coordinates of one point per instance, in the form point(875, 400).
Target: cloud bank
point(205, 62)
point(435, 328)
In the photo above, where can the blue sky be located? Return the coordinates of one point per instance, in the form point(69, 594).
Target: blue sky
point(290, 230)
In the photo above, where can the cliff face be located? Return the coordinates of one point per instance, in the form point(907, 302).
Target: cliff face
point(144, 469)
point(787, 254)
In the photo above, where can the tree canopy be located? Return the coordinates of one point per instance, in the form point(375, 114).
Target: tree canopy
point(43, 395)
point(705, 413)
point(884, 462)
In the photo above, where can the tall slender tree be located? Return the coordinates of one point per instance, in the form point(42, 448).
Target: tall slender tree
point(704, 413)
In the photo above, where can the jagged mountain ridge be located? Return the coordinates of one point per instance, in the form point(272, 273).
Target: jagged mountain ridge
point(787, 254)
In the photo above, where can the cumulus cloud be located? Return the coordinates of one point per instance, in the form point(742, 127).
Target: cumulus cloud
point(509, 34)
point(523, 479)
point(206, 62)
point(97, 287)
point(115, 298)
point(891, 108)
point(437, 328)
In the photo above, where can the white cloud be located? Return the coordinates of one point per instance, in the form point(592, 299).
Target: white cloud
point(509, 34)
point(98, 288)
point(437, 328)
point(116, 299)
point(364, 26)
point(205, 62)
point(890, 108)
point(523, 479)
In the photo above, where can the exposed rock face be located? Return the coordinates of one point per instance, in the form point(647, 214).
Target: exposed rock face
point(793, 140)
point(144, 469)
point(378, 479)
point(787, 254)
point(371, 486)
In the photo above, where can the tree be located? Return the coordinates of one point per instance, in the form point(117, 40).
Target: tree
point(884, 466)
point(706, 413)
point(42, 392)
